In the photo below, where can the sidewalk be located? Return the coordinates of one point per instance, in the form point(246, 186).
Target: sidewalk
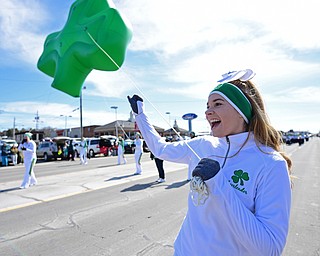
point(60, 186)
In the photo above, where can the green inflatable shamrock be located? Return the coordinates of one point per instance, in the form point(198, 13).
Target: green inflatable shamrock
point(95, 37)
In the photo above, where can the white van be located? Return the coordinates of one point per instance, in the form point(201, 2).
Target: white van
point(93, 146)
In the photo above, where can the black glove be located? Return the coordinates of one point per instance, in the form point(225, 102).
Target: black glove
point(133, 102)
point(23, 148)
point(206, 169)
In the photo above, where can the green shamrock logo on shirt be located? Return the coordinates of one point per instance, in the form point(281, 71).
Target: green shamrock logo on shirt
point(240, 175)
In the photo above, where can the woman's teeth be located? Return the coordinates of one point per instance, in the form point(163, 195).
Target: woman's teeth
point(214, 122)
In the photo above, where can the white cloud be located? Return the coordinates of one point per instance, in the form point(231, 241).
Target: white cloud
point(171, 26)
point(307, 95)
point(109, 84)
point(20, 25)
point(32, 107)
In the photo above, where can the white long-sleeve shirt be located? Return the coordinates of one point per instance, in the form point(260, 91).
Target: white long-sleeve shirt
point(30, 152)
point(139, 146)
point(247, 211)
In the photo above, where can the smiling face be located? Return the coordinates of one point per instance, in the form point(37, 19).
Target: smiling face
point(223, 118)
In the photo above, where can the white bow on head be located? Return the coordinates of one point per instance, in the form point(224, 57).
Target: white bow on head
point(242, 75)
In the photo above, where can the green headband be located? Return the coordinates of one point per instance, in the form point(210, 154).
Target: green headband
point(236, 98)
point(28, 134)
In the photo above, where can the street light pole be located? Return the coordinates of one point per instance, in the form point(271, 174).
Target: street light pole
point(81, 126)
point(168, 113)
point(65, 125)
point(116, 123)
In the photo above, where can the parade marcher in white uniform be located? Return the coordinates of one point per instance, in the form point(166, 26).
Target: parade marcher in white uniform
point(138, 153)
point(121, 157)
point(83, 151)
point(28, 147)
point(240, 193)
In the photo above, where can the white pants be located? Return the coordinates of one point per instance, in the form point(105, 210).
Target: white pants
point(29, 178)
point(137, 157)
point(121, 158)
point(83, 156)
point(14, 158)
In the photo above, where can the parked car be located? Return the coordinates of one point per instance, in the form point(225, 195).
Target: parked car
point(108, 145)
point(9, 143)
point(60, 142)
point(47, 150)
point(129, 146)
point(93, 146)
point(293, 137)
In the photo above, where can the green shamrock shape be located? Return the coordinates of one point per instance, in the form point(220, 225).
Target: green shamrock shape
point(71, 54)
point(239, 175)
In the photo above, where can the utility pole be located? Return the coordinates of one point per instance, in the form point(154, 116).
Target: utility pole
point(37, 118)
point(14, 129)
point(116, 123)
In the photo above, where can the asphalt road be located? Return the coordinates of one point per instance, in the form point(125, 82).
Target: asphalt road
point(102, 209)
point(304, 233)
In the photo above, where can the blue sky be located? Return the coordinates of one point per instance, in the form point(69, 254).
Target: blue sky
point(178, 51)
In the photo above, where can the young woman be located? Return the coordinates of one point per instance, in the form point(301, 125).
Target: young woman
point(240, 191)
point(28, 147)
point(138, 153)
point(83, 151)
point(121, 157)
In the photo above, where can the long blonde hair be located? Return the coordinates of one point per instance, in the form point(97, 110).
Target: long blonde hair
point(260, 125)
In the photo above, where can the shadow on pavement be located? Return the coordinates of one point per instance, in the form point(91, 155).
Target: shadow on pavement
point(120, 177)
point(151, 184)
point(9, 189)
point(138, 187)
point(104, 166)
point(177, 184)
